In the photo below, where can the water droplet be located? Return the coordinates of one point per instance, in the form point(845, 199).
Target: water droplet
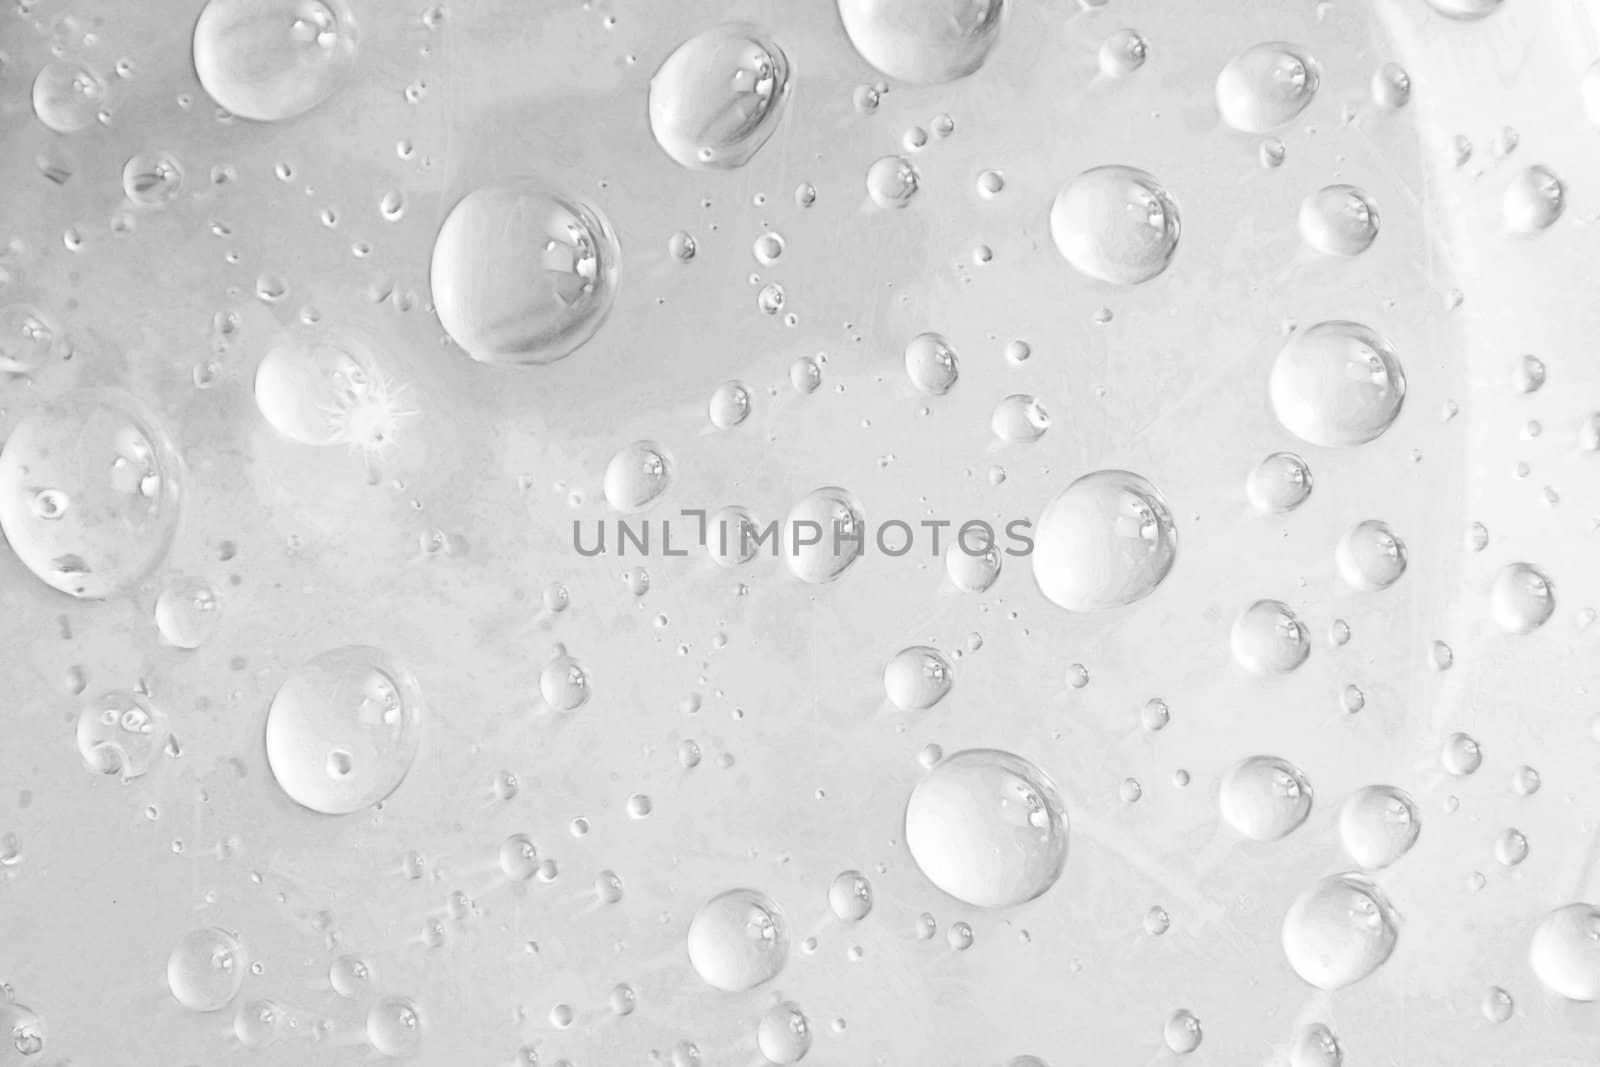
point(66, 97)
point(271, 60)
point(923, 41)
point(1122, 53)
point(1370, 556)
point(523, 274)
point(122, 479)
point(1533, 201)
point(1315, 1045)
point(344, 729)
point(784, 1034)
point(1266, 86)
point(1377, 825)
point(719, 96)
point(206, 970)
point(394, 1027)
point(823, 535)
point(1115, 224)
point(917, 678)
point(1460, 755)
point(1182, 1032)
point(1521, 599)
point(892, 182)
point(152, 179)
point(1339, 931)
point(258, 1023)
point(972, 572)
point(21, 1029)
point(738, 940)
point(187, 612)
point(931, 364)
point(351, 977)
point(1565, 952)
point(1339, 220)
point(1108, 540)
point(850, 896)
point(121, 733)
point(1526, 781)
point(1268, 638)
point(1337, 384)
point(28, 339)
point(1019, 419)
point(988, 828)
point(1511, 847)
point(563, 684)
point(1466, 10)
point(959, 936)
point(1391, 87)
point(1279, 484)
point(636, 476)
point(1265, 798)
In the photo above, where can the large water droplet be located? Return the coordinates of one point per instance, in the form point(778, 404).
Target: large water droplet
point(66, 96)
point(931, 364)
point(1565, 952)
point(1108, 540)
point(1377, 825)
point(89, 492)
point(1371, 556)
point(1115, 224)
point(784, 1034)
point(1337, 384)
point(892, 182)
point(1265, 798)
point(394, 1027)
point(523, 274)
point(850, 896)
point(1279, 483)
point(1268, 638)
point(917, 678)
point(344, 729)
point(271, 60)
point(1521, 599)
point(988, 828)
point(1339, 931)
point(738, 940)
point(1339, 220)
point(22, 1033)
point(637, 475)
point(923, 41)
point(313, 391)
point(1266, 86)
point(121, 733)
point(718, 97)
point(824, 534)
point(206, 970)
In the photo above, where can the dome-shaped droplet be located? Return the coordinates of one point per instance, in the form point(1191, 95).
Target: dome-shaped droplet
point(973, 571)
point(1019, 419)
point(892, 182)
point(738, 940)
point(187, 612)
point(784, 1034)
point(22, 1033)
point(1279, 483)
point(344, 729)
point(1521, 599)
point(850, 896)
point(1377, 825)
point(1108, 540)
point(1339, 220)
point(351, 976)
point(1370, 556)
point(1265, 798)
point(636, 476)
point(67, 96)
point(121, 733)
point(1268, 638)
point(917, 678)
point(1339, 931)
point(1391, 87)
point(90, 488)
point(1461, 755)
point(1337, 384)
point(1266, 86)
point(988, 828)
point(1122, 53)
point(28, 339)
point(719, 96)
point(1534, 199)
point(730, 405)
point(1315, 1045)
point(311, 389)
point(394, 1027)
point(1182, 1032)
point(823, 535)
point(206, 969)
point(523, 274)
point(1115, 224)
point(271, 60)
point(1565, 952)
point(923, 41)
point(931, 364)
point(1466, 10)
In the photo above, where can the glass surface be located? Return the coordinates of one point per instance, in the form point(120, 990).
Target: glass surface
point(1266, 326)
